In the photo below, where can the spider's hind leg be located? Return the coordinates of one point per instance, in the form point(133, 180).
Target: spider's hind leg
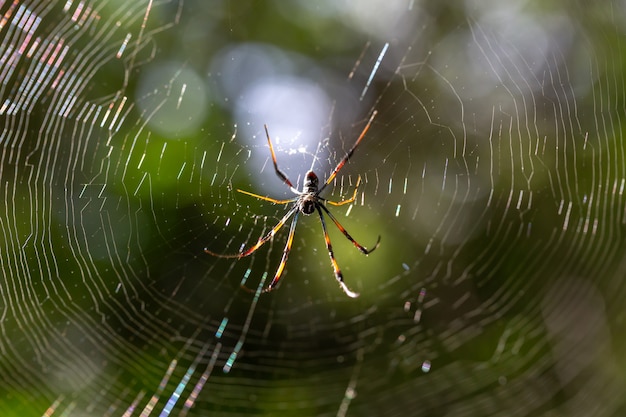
point(333, 261)
point(283, 260)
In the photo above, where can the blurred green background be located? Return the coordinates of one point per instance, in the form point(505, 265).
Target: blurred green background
point(493, 171)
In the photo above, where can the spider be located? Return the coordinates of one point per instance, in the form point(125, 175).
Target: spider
point(306, 202)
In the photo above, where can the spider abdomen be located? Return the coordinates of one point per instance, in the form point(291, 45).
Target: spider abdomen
point(308, 205)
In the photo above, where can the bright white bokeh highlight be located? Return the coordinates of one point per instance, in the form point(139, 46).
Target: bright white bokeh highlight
point(262, 85)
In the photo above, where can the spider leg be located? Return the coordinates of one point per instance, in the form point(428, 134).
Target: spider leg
point(261, 241)
point(348, 201)
point(333, 261)
point(347, 235)
point(283, 260)
point(345, 159)
point(271, 200)
point(280, 173)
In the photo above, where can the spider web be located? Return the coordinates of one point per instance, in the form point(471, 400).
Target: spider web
point(493, 172)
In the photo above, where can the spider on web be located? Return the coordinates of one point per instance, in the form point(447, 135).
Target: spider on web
point(306, 202)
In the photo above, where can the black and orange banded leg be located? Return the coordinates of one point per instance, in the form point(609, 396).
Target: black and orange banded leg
point(360, 247)
point(283, 260)
point(345, 159)
point(261, 241)
point(280, 173)
point(333, 261)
